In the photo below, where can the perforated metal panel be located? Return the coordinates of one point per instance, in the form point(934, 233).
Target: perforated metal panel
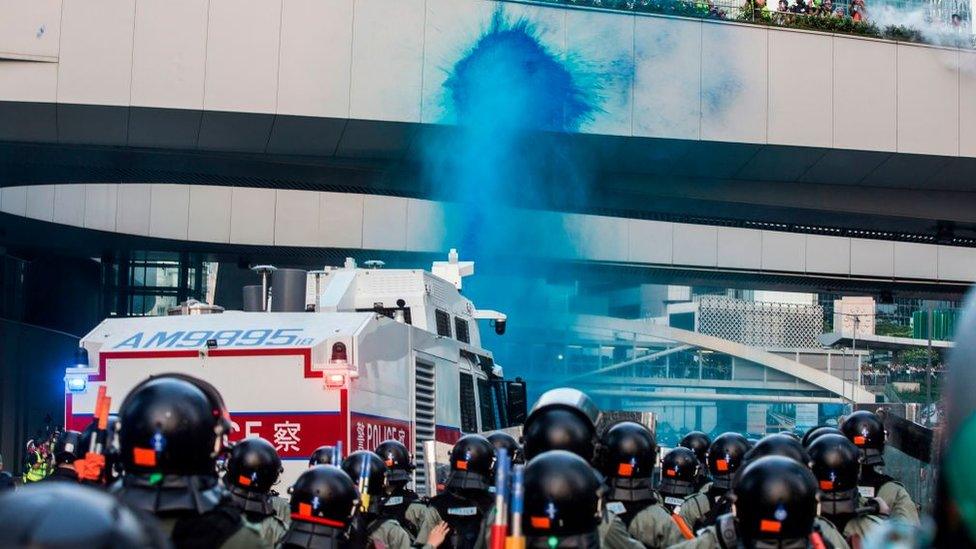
point(781, 325)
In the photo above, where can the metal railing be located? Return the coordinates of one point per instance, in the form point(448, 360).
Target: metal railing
point(847, 16)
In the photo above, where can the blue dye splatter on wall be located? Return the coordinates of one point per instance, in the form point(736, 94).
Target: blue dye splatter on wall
point(512, 97)
point(511, 80)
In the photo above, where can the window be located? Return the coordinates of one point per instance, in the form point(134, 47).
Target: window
point(461, 330)
point(443, 321)
point(487, 404)
point(469, 419)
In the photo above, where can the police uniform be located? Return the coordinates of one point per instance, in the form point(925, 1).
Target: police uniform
point(627, 459)
point(387, 532)
point(370, 524)
point(406, 507)
point(866, 431)
point(654, 527)
point(878, 485)
point(702, 508)
point(281, 508)
point(467, 512)
point(708, 537)
point(399, 502)
point(252, 468)
point(171, 425)
point(779, 508)
point(323, 502)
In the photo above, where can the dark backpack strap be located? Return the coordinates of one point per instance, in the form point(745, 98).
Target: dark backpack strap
point(728, 537)
point(719, 506)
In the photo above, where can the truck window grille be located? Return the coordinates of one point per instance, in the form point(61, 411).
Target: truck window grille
point(425, 424)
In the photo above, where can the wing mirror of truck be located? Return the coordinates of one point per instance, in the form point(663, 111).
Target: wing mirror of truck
point(516, 405)
point(499, 327)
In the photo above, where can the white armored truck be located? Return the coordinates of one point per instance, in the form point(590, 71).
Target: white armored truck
point(350, 354)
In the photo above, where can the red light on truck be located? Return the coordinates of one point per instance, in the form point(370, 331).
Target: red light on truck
point(339, 352)
point(335, 380)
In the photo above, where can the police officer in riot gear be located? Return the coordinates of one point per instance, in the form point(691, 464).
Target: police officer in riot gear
point(67, 448)
point(867, 432)
point(724, 459)
point(252, 470)
point(679, 477)
point(562, 502)
point(323, 502)
point(400, 503)
point(172, 430)
point(698, 442)
point(776, 502)
point(565, 419)
point(780, 444)
point(63, 514)
point(501, 439)
point(628, 453)
point(466, 503)
point(323, 455)
point(836, 464)
point(369, 473)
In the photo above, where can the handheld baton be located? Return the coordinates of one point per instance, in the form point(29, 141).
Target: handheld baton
point(517, 539)
point(364, 484)
point(499, 529)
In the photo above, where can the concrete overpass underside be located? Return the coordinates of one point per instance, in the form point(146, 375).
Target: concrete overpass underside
point(850, 168)
point(920, 197)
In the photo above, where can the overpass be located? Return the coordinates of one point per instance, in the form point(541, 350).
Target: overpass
point(680, 120)
point(214, 218)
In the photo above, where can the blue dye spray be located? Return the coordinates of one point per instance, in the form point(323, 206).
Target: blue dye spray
point(515, 100)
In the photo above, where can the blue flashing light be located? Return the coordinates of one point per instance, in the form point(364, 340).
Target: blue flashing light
point(76, 384)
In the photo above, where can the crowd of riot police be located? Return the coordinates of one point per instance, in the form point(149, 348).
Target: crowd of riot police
point(161, 474)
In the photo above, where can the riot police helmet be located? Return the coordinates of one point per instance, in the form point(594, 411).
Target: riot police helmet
point(218, 406)
point(169, 425)
point(679, 473)
point(59, 514)
point(866, 430)
point(725, 458)
point(562, 419)
point(836, 463)
point(501, 439)
point(817, 431)
point(323, 455)
point(369, 466)
point(698, 442)
point(253, 465)
point(324, 494)
point(628, 450)
point(68, 447)
point(397, 459)
point(775, 500)
point(562, 496)
point(472, 459)
point(778, 445)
